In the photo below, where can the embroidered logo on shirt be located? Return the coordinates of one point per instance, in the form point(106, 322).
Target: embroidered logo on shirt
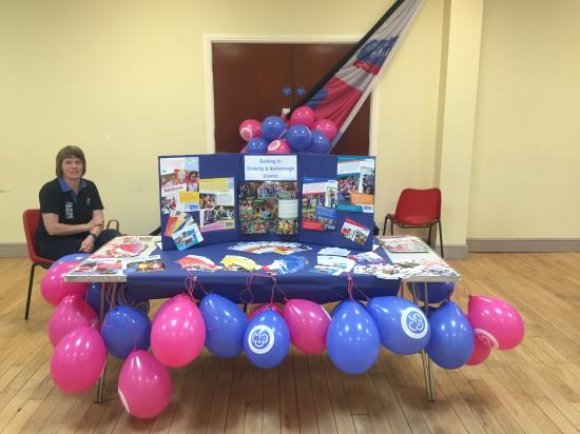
point(88, 201)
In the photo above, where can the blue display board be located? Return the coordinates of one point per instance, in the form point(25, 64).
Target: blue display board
point(321, 199)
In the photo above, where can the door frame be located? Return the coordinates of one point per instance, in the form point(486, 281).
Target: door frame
point(209, 38)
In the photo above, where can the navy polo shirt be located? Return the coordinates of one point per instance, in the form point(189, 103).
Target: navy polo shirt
point(56, 197)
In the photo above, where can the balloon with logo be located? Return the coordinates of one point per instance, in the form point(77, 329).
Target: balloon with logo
point(279, 147)
point(481, 351)
point(303, 115)
point(267, 340)
point(403, 327)
point(178, 332)
point(53, 286)
point(352, 339)
point(299, 137)
point(273, 127)
point(452, 339)
point(78, 360)
point(249, 129)
point(257, 145)
point(225, 324)
point(144, 385)
point(326, 127)
point(500, 321)
point(125, 329)
point(436, 291)
point(72, 312)
point(308, 323)
point(320, 143)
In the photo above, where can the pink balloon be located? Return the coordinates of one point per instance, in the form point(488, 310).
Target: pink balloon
point(72, 312)
point(326, 127)
point(178, 332)
point(264, 307)
point(53, 288)
point(303, 115)
point(78, 360)
point(496, 320)
point(144, 385)
point(308, 323)
point(250, 128)
point(279, 146)
point(481, 351)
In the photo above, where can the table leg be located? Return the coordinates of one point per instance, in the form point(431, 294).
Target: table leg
point(101, 382)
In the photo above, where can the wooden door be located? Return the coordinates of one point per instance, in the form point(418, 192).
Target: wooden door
point(252, 81)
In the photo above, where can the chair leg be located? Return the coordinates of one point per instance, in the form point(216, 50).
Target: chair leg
point(29, 296)
point(392, 229)
point(385, 225)
point(441, 238)
point(429, 235)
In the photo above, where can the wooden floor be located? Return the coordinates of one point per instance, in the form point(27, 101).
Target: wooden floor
point(533, 388)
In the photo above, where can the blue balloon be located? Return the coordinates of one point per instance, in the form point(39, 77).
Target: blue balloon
point(436, 291)
point(352, 339)
point(225, 324)
point(403, 327)
point(452, 339)
point(257, 145)
point(70, 258)
point(93, 297)
point(273, 127)
point(267, 340)
point(299, 137)
point(126, 329)
point(320, 143)
point(339, 306)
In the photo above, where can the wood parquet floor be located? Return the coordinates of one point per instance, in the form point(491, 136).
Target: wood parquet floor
point(533, 388)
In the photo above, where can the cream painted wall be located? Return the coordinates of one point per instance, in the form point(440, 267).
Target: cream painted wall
point(526, 156)
point(126, 81)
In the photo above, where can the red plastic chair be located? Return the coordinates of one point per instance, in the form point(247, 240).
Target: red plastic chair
point(418, 208)
point(31, 218)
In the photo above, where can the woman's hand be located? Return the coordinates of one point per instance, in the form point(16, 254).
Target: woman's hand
point(98, 220)
point(88, 244)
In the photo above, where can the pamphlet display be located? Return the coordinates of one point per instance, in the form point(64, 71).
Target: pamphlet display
point(321, 199)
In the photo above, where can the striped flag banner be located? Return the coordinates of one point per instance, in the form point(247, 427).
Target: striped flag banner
point(342, 92)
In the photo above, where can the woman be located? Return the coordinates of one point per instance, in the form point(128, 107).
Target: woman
point(72, 212)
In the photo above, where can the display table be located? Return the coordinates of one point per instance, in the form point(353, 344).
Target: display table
point(260, 286)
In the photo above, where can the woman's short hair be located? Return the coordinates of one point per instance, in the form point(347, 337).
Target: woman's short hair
point(69, 152)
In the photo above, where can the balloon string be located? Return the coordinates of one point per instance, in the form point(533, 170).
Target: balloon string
point(247, 290)
point(349, 277)
point(190, 282)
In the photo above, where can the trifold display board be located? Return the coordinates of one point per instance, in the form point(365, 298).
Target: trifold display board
point(321, 199)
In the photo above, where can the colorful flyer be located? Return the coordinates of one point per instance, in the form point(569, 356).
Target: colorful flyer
point(197, 263)
point(217, 202)
point(319, 198)
point(356, 184)
point(355, 232)
point(239, 263)
point(187, 236)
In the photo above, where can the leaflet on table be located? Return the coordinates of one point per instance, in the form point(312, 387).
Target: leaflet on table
point(217, 202)
point(198, 263)
point(288, 265)
point(319, 204)
point(239, 263)
point(127, 246)
point(118, 266)
point(179, 182)
point(356, 184)
point(404, 244)
point(333, 251)
point(268, 207)
point(355, 231)
point(335, 265)
point(369, 257)
point(279, 247)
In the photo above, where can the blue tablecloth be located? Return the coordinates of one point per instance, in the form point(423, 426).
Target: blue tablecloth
point(315, 286)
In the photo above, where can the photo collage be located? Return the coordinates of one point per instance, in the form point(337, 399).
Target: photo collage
point(194, 205)
point(268, 207)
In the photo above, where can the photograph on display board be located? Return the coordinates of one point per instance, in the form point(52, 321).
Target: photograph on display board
point(217, 204)
point(179, 184)
point(355, 232)
point(356, 184)
point(268, 207)
point(319, 197)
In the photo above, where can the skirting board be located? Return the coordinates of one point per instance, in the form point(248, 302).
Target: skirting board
point(13, 250)
point(526, 245)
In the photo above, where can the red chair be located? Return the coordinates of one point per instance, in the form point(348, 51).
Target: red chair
point(31, 218)
point(418, 208)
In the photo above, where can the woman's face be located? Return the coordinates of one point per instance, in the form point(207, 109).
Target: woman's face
point(72, 168)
